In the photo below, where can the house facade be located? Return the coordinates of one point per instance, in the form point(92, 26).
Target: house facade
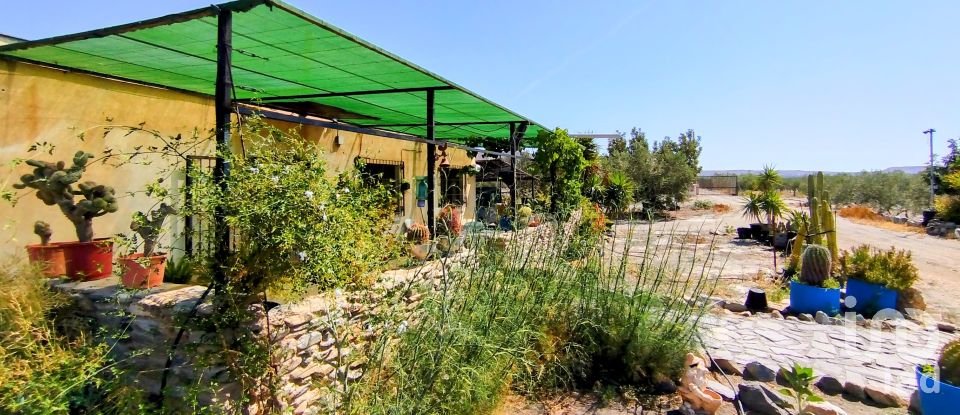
point(49, 108)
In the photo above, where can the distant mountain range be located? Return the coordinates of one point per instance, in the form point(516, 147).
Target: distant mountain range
point(802, 173)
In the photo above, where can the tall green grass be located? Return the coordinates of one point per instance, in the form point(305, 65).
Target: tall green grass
point(526, 318)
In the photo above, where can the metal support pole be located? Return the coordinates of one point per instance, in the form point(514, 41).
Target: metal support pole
point(223, 99)
point(188, 219)
point(932, 194)
point(513, 169)
point(431, 166)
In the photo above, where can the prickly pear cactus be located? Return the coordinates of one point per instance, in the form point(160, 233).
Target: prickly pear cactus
point(54, 185)
point(815, 267)
point(949, 363)
point(42, 229)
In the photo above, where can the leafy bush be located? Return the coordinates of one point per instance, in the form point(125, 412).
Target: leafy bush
point(44, 370)
point(892, 268)
point(702, 205)
point(948, 208)
point(524, 318)
point(297, 227)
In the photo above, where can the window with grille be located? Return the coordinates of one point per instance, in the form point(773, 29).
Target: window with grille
point(453, 183)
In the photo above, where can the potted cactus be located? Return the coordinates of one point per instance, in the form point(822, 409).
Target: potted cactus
point(46, 255)
point(58, 185)
point(146, 270)
point(814, 290)
point(419, 236)
point(938, 386)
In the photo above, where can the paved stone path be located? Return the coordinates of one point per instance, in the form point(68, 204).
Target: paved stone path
point(850, 353)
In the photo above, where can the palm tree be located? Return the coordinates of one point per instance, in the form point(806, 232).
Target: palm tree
point(773, 206)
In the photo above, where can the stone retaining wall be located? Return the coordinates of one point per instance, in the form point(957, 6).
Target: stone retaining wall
point(313, 341)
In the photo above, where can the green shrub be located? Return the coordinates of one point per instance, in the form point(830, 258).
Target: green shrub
point(702, 205)
point(948, 208)
point(44, 370)
point(526, 319)
point(296, 226)
point(892, 268)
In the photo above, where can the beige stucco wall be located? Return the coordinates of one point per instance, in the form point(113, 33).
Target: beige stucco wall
point(39, 104)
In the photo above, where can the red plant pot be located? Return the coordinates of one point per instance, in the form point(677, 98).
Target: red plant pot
point(49, 258)
point(140, 272)
point(88, 261)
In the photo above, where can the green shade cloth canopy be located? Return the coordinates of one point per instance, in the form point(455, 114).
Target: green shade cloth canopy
point(282, 58)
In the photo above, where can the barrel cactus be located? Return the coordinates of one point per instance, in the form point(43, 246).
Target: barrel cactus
point(418, 233)
point(42, 229)
point(949, 363)
point(54, 185)
point(815, 265)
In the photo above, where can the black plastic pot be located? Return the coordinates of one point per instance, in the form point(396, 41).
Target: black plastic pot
point(756, 230)
point(743, 233)
point(928, 216)
point(756, 300)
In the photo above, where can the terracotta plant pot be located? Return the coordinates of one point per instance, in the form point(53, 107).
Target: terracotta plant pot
point(49, 257)
point(88, 261)
point(143, 273)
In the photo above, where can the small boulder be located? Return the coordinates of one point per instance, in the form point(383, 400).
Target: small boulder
point(735, 307)
point(754, 399)
point(914, 406)
point(822, 408)
point(722, 390)
point(854, 390)
point(805, 317)
point(829, 385)
point(910, 298)
point(946, 327)
point(727, 366)
point(822, 318)
point(758, 371)
point(776, 315)
point(884, 396)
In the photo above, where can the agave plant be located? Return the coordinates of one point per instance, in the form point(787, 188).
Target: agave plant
point(753, 206)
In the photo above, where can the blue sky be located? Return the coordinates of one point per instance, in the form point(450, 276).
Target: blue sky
point(831, 85)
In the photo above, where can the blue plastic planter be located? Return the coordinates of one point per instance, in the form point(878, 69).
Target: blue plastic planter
point(870, 297)
point(808, 299)
point(937, 398)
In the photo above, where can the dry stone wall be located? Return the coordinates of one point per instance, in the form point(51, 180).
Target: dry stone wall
point(314, 342)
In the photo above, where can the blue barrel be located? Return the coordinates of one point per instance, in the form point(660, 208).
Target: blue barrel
point(870, 297)
point(809, 299)
point(936, 397)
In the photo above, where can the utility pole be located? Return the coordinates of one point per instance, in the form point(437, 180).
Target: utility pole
point(930, 132)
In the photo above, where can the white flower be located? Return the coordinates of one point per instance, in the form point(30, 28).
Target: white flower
point(275, 179)
point(302, 255)
point(346, 190)
point(402, 327)
point(254, 170)
point(337, 196)
point(324, 217)
point(308, 194)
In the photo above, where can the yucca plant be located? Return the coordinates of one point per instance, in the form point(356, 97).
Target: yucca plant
point(753, 206)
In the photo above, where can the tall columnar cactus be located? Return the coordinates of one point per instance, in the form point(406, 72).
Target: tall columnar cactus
point(797, 249)
point(54, 184)
point(829, 227)
point(949, 363)
point(42, 229)
point(149, 227)
point(815, 268)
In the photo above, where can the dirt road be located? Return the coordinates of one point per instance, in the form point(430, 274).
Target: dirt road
point(937, 259)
